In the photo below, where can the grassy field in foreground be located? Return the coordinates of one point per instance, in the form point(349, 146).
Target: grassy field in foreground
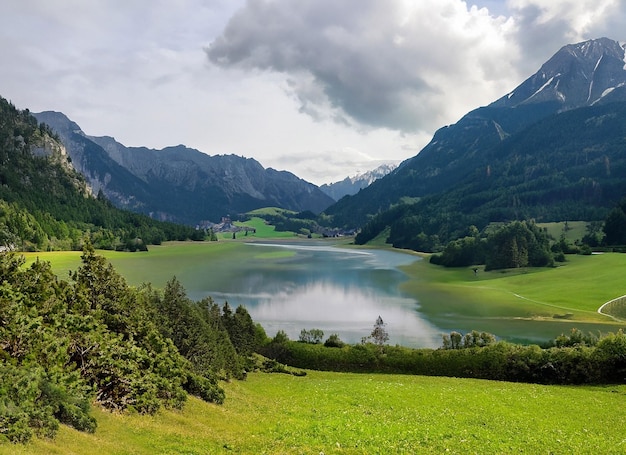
point(334, 413)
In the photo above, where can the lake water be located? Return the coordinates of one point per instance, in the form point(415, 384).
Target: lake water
point(295, 286)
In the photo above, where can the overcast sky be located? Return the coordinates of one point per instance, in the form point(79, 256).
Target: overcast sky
point(321, 88)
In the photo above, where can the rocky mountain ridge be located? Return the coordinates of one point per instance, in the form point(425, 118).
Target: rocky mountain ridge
point(579, 75)
point(179, 183)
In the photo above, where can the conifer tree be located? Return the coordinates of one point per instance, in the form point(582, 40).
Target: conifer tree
point(379, 334)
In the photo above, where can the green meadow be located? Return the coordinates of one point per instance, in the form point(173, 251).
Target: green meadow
point(263, 230)
point(337, 413)
point(572, 231)
point(533, 303)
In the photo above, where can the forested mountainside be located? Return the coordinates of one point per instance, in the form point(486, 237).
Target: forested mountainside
point(46, 204)
point(571, 166)
point(179, 183)
point(531, 153)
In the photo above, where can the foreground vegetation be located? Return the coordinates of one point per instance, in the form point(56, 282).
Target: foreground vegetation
point(574, 358)
point(339, 413)
point(66, 344)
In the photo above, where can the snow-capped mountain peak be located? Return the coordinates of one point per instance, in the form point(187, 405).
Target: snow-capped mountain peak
point(577, 75)
point(352, 185)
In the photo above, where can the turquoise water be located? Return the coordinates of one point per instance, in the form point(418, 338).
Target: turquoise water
point(318, 286)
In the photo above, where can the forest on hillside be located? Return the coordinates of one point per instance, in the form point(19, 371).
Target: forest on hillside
point(566, 167)
point(46, 205)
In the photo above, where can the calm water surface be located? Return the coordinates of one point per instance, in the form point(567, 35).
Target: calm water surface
point(295, 286)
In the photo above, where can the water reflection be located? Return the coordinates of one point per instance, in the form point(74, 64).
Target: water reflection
point(323, 287)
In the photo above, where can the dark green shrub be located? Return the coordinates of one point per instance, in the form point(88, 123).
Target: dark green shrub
point(204, 388)
point(334, 341)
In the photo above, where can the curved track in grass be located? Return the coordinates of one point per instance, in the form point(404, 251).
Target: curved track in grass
point(621, 304)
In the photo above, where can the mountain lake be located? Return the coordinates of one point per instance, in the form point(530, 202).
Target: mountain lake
point(292, 286)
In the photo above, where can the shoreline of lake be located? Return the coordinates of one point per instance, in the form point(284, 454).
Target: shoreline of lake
point(449, 299)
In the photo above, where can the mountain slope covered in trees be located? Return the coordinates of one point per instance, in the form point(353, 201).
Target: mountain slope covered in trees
point(542, 151)
point(567, 167)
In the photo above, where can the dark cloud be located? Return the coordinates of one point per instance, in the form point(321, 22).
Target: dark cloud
point(337, 57)
point(408, 66)
point(372, 61)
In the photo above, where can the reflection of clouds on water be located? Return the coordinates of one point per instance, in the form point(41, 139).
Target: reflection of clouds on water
point(349, 312)
point(315, 247)
point(336, 290)
point(319, 301)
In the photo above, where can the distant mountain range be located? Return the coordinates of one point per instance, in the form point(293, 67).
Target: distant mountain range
point(505, 147)
point(178, 183)
point(552, 149)
point(352, 185)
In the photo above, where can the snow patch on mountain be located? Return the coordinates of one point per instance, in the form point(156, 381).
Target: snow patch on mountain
point(352, 185)
point(542, 87)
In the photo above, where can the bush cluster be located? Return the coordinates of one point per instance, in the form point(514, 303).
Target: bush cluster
point(511, 245)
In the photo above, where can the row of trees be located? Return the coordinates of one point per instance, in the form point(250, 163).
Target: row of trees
point(64, 345)
point(36, 230)
point(513, 245)
point(378, 336)
point(524, 244)
point(426, 230)
point(571, 359)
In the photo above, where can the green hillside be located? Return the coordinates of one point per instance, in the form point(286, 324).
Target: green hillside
point(337, 413)
point(567, 167)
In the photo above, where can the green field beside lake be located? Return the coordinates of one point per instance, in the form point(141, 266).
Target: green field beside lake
point(526, 303)
point(336, 413)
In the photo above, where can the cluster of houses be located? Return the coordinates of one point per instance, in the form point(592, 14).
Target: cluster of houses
point(225, 225)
